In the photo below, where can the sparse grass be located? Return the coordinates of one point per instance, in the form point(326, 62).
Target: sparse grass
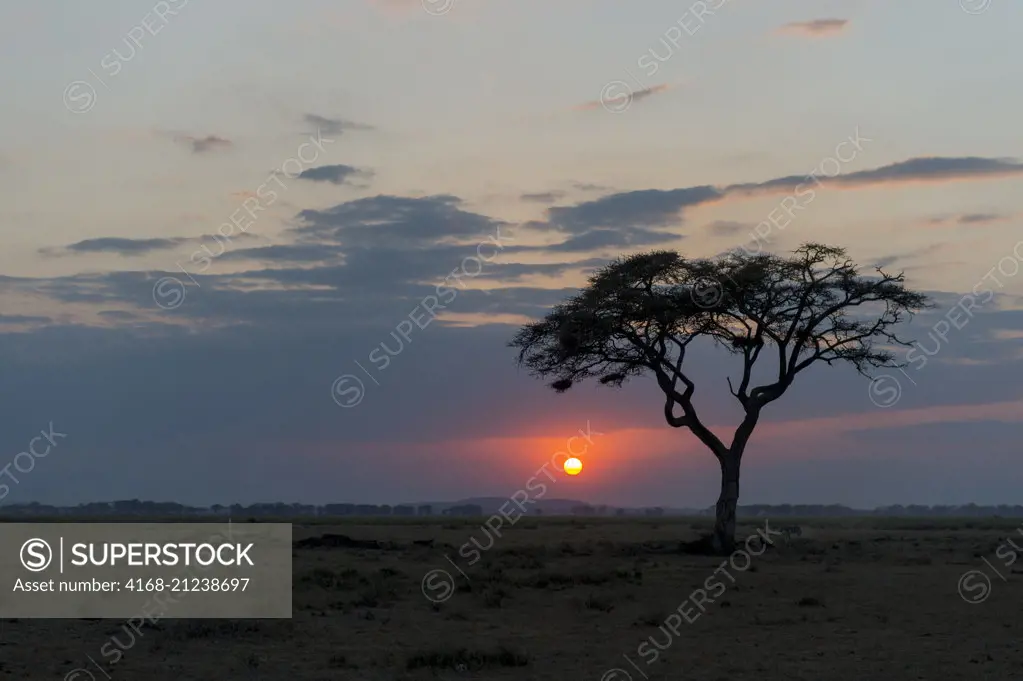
point(594, 602)
point(338, 580)
point(562, 580)
point(341, 662)
point(494, 597)
point(651, 619)
point(567, 599)
point(463, 659)
point(190, 630)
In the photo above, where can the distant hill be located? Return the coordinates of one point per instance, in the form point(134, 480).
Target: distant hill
point(492, 505)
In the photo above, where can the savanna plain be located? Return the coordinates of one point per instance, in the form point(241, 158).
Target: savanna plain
point(591, 599)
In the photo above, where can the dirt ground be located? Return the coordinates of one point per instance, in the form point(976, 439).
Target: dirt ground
point(592, 600)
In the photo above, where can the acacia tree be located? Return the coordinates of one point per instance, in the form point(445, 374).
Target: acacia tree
point(639, 314)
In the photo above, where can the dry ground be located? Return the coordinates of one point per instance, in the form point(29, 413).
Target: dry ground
point(569, 599)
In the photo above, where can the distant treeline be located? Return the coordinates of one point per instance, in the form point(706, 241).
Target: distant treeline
point(263, 510)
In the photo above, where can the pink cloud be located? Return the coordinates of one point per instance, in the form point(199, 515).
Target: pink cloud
point(816, 28)
point(618, 96)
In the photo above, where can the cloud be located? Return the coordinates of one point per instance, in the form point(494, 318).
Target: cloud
point(626, 93)
point(969, 219)
point(121, 315)
point(394, 221)
point(635, 212)
point(121, 246)
point(201, 145)
point(604, 238)
point(292, 253)
point(264, 386)
point(264, 345)
point(590, 187)
point(889, 260)
point(935, 169)
point(925, 169)
point(815, 28)
point(15, 319)
point(334, 174)
point(640, 208)
point(543, 197)
point(973, 218)
point(128, 247)
point(333, 126)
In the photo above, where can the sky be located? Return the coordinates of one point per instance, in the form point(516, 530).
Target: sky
point(221, 221)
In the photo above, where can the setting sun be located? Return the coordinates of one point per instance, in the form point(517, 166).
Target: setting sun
point(573, 466)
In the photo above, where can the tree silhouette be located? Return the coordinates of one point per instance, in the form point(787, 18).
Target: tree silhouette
point(639, 314)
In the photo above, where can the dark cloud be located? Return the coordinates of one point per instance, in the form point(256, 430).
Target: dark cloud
point(10, 319)
point(333, 126)
point(625, 237)
point(395, 221)
point(933, 169)
point(661, 208)
point(621, 97)
point(543, 197)
point(641, 208)
point(121, 246)
point(895, 258)
point(922, 169)
point(129, 247)
point(286, 253)
point(968, 219)
point(237, 382)
point(980, 218)
point(335, 174)
point(201, 145)
point(121, 315)
point(258, 403)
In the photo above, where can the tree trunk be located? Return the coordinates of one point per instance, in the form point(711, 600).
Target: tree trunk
point(723, 539)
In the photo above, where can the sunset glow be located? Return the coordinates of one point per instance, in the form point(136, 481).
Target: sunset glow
point(573, 466)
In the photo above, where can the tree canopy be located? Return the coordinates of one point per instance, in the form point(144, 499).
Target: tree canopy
point(639, 314)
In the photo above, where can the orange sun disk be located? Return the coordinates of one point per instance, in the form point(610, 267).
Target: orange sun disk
point(573, 466)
